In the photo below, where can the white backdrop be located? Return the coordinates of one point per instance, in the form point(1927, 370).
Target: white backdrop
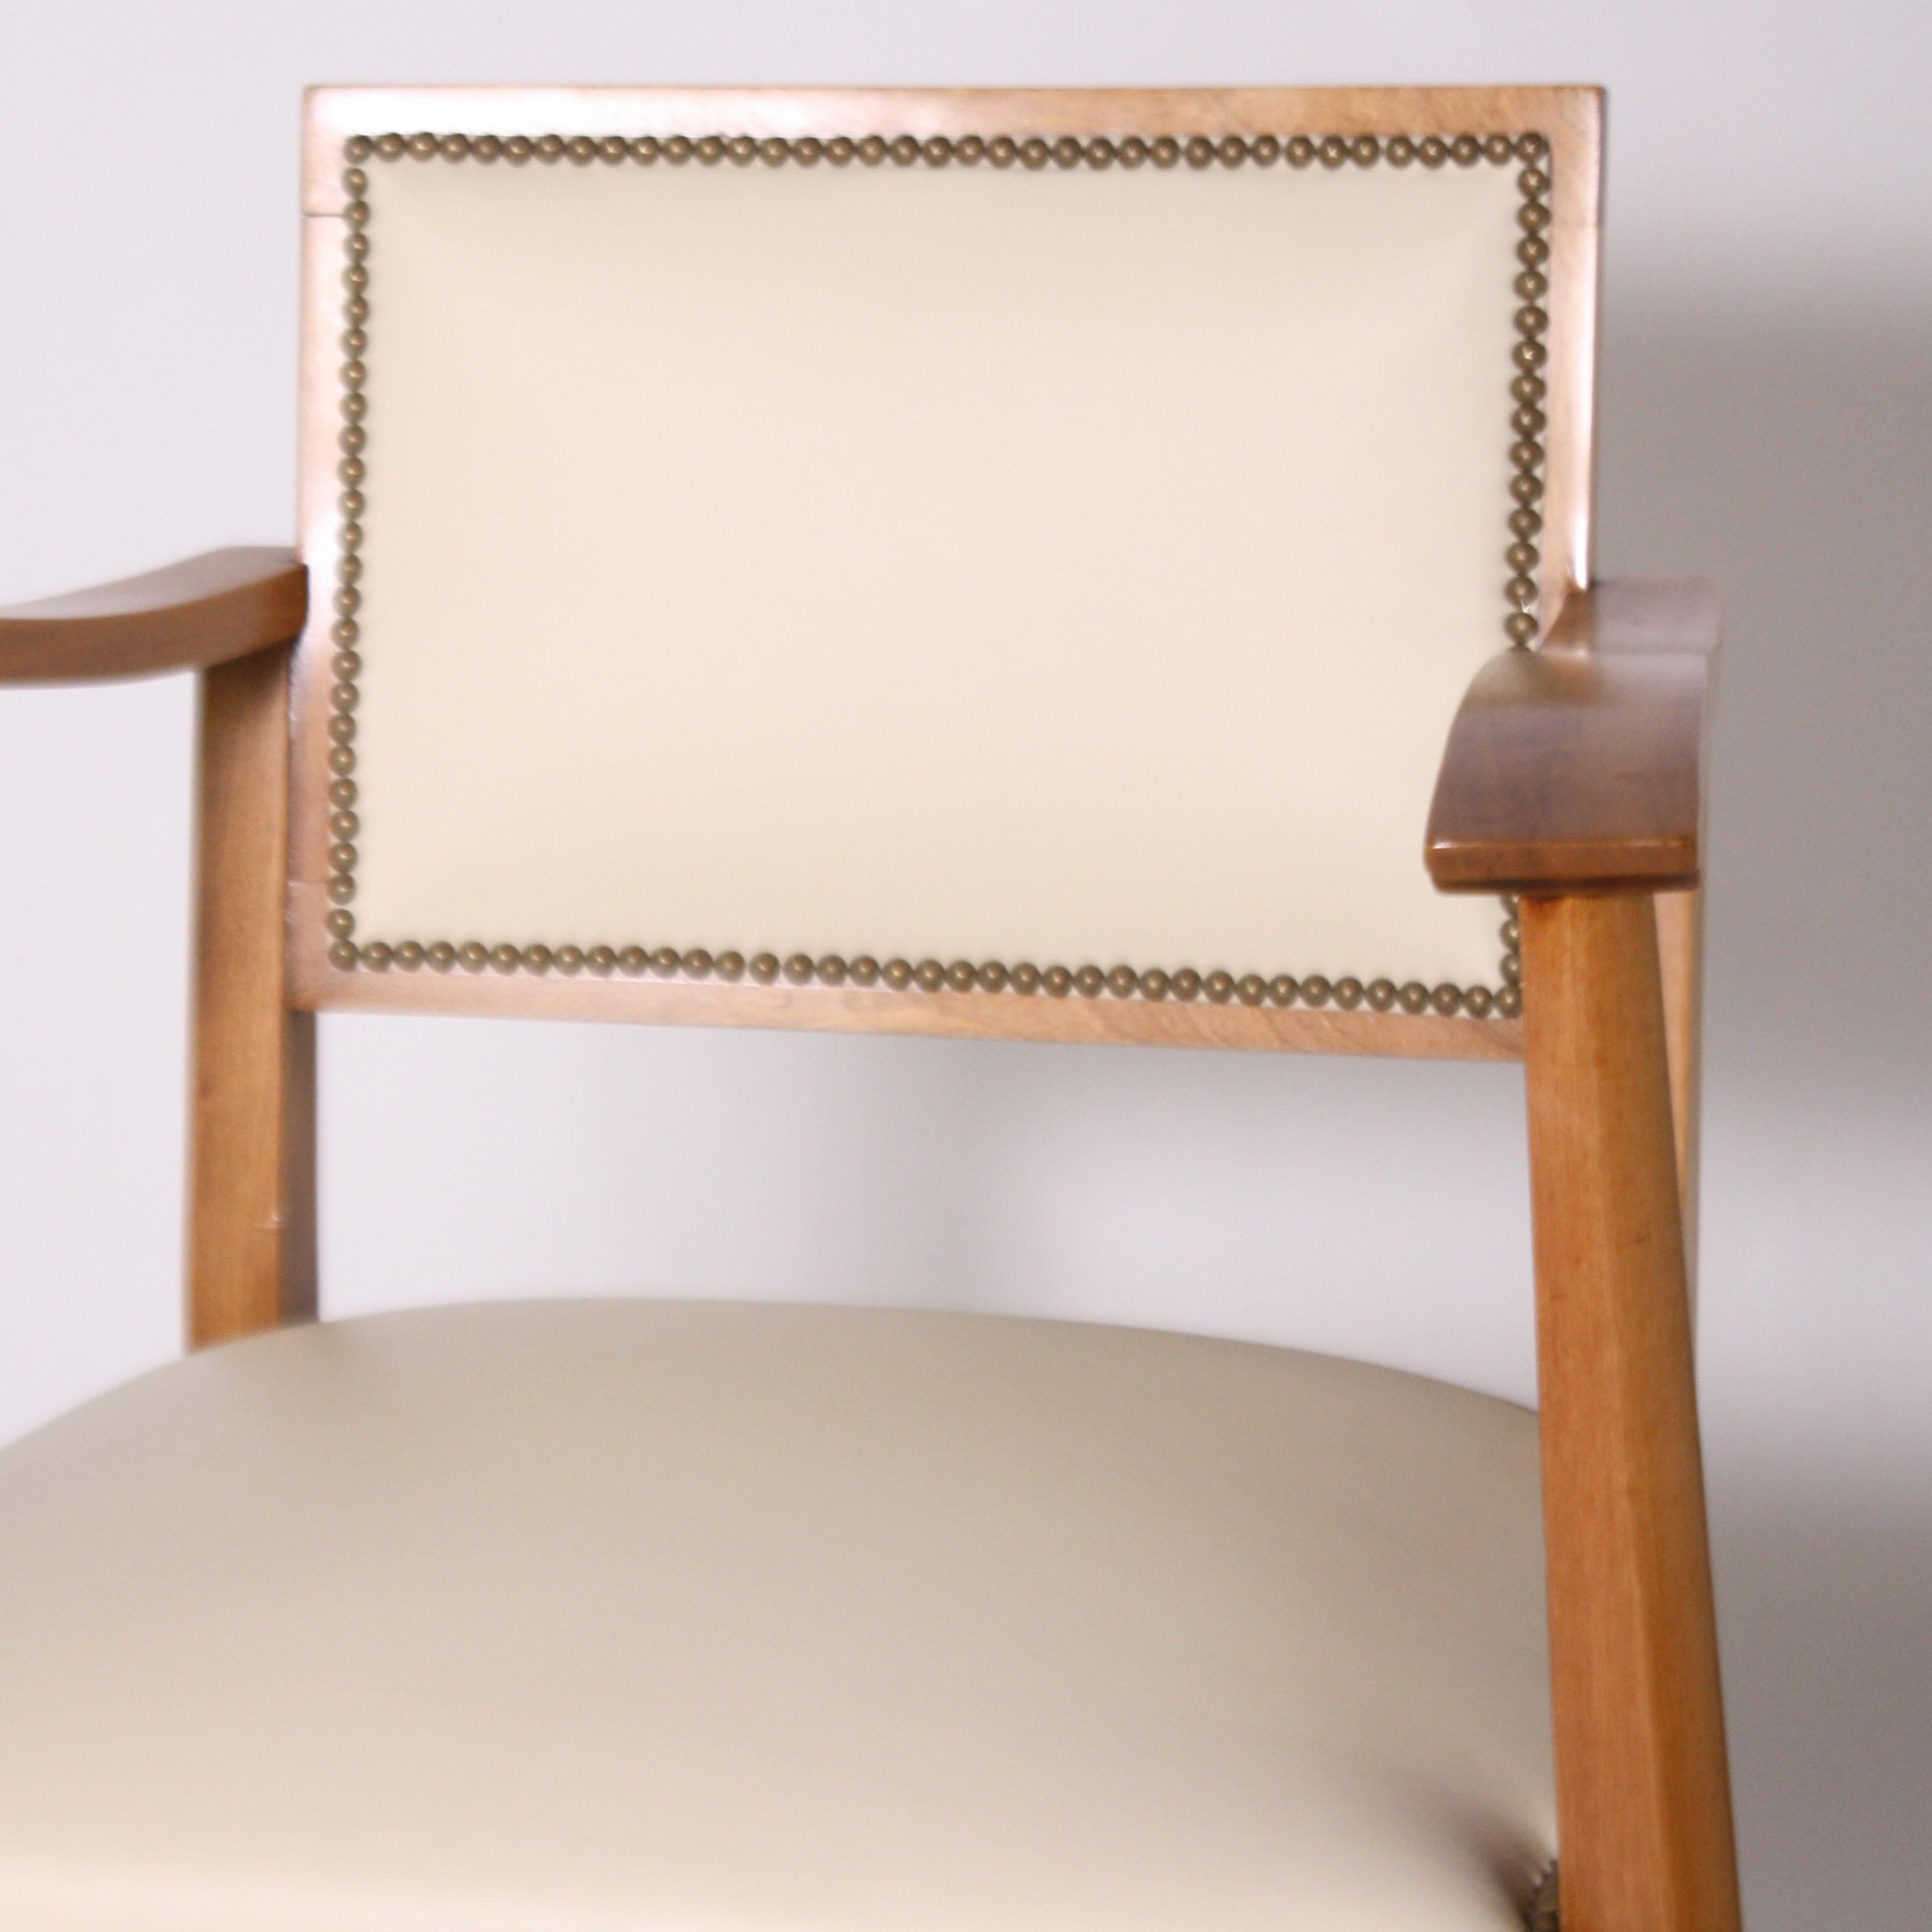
point(1767, 415)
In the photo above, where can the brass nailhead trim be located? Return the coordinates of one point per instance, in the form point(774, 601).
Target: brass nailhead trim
point(345, 633)
point(1219, 987)
point(1528, 388)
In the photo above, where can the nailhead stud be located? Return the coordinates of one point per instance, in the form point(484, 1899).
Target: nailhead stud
point(1153, 983)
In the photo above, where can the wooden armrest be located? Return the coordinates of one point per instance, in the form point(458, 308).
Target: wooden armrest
point(203, 611)
point(1579, 767)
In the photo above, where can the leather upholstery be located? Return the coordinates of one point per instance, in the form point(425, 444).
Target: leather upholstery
point(959, 562)
point(652, 1616)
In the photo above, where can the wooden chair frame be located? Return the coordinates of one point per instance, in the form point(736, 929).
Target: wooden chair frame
point(1574, 779)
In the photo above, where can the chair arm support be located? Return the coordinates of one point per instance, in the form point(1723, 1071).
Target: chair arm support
point(1579, 767)
point(203, 611)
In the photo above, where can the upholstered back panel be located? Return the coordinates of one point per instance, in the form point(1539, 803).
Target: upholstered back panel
point(808, 553)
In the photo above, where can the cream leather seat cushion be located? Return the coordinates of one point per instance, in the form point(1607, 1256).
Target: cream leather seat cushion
point(602, 1614)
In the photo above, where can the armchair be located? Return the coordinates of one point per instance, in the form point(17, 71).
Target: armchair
point(982, 563)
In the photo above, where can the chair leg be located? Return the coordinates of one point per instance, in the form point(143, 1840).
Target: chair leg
point(251, 1260)
point(1643, 1790)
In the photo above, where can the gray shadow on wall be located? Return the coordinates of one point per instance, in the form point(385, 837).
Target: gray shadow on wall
point(1788, 451)
point(1826, 1599)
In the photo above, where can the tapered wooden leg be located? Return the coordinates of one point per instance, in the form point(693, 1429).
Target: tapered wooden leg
point(1642, 1791)
point(251, 1260)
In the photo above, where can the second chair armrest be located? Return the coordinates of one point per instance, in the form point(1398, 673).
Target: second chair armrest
point(1579, 767)
point(205, 611)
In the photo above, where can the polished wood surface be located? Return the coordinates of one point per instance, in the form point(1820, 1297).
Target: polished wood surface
point(205, 611)
point(1571, 118)
point(251, 1254)
point(1579, 767)
point(316, 984)
point(1643, 1804)
point(1639, 615)
point(1680, 948)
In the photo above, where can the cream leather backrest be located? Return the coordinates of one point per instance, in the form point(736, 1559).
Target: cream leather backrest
point(884, 545)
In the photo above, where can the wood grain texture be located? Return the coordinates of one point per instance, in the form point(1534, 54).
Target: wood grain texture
point(1570, 117)
point(314, 984)
point(1579, 767)
point(1680, 947)
point(1643, 1803)
point(251, 1258)
point(1640, 616)
point(203, 611)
